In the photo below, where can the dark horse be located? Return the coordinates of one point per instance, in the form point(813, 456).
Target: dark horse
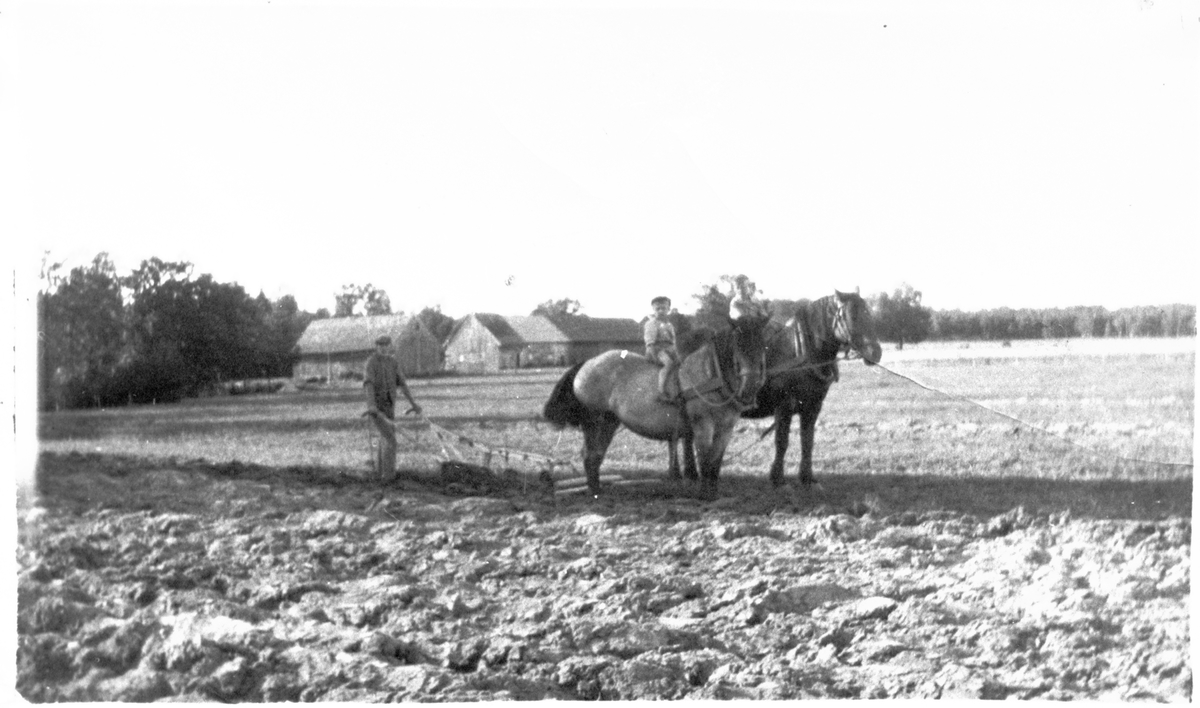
point(720, 374)
point(802, 365)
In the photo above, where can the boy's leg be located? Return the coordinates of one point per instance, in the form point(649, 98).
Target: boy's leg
point(666, 377)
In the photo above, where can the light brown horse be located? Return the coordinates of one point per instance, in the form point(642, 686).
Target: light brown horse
point(720, 374)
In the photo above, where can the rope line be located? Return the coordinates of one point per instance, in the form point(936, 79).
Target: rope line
point(1034, 426)
point(489, 451)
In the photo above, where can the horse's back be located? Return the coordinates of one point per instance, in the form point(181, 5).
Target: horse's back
point(613, 372)
point(626, 384)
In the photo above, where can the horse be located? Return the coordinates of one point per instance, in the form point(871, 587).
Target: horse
point(802, 364)
point(720, 373)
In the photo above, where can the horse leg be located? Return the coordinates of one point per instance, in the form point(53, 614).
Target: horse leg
point(716, 456)
point(597, 436)
point(705, 436)
point(783, 430)
point(673, 454)
point(690, 471)
point(810, 408)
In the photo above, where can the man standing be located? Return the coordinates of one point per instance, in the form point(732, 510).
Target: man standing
point(381, 380)
point(659, 335)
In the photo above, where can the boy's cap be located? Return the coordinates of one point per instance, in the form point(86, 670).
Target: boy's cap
point(384, 340)
point(661, 298)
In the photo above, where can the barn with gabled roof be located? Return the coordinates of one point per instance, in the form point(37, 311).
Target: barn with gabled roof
point(337, 348)
point(589, 336)
point(485, 342)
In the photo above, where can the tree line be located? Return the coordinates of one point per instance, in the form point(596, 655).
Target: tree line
point(900, 317)
point(162, 332)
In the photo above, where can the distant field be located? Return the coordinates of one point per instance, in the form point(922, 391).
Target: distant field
point(1039, 348)
point(1093, 413)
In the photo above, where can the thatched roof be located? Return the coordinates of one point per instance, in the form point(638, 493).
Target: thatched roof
point(339, 335)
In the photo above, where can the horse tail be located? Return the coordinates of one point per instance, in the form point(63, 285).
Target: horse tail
point(563, 407)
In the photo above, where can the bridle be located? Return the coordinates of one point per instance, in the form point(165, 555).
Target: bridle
point(841, 333)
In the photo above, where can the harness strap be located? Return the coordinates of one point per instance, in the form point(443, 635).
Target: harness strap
point(715, 384)
point(708, 386)
point(829, 373)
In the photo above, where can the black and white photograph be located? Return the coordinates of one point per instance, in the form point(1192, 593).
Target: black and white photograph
point(704, 351)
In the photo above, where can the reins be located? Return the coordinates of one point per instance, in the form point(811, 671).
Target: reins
point(1032, 426)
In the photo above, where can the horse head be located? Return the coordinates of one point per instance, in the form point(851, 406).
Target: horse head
point(750, 354)
point(854, 327)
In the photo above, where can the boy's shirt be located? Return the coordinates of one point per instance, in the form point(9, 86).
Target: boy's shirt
point(658, 335)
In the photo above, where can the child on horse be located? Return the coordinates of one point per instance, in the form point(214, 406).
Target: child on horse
point(659, 335)
point(744, 300)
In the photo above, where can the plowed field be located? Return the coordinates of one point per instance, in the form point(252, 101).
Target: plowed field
point(216, 576)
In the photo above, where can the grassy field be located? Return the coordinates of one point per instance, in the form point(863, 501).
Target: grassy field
point(1102, 418)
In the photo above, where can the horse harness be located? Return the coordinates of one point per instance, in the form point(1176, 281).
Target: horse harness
point(722, 387)
point(825, 371)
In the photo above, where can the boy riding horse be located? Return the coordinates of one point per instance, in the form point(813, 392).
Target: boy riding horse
point(659, 335)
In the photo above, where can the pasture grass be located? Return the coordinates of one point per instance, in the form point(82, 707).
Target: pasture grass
point(1096, 431)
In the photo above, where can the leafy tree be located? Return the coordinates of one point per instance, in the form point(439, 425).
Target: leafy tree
point(373, 301)
point(153, 273)
point(156, 334)
point(554, 308)
point(713, 307)
point(1090, 321)
point(436, 323)
point(80, 330)
point(901, 317)
point(189, 333)
point(280, 328)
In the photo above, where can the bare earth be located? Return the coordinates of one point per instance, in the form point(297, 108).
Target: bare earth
point(233, 583)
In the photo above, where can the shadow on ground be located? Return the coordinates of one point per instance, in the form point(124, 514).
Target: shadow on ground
point(857, 495)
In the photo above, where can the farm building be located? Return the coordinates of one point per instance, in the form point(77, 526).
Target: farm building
point(485, 342)
point(337, 348)
point(589, 336)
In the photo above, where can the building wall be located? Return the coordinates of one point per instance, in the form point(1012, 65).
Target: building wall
point(544, 354)
point(417, 353)
point(331, 367)
point(473, 350)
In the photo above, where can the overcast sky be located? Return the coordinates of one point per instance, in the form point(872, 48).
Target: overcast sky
point(490, 156)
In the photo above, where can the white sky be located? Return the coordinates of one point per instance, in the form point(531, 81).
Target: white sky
point(489, 156)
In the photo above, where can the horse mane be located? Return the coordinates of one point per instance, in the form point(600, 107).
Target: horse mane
point(815, 324)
